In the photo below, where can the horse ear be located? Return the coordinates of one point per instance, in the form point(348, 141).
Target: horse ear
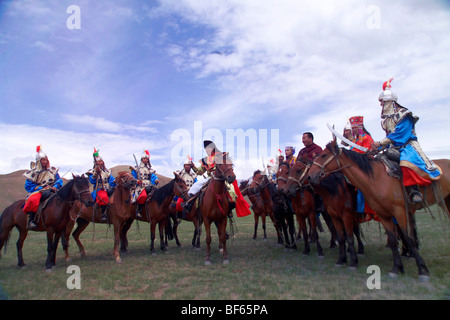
point(73, 176)
point(177, 176)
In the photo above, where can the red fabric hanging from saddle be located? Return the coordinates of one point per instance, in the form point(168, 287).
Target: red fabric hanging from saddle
point(102, 198)
point(142, 197)
point(411, 178)
point(178, 206)
point(32, 202)
point(242, 207)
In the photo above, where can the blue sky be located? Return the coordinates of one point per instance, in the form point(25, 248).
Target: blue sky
point(137, 73)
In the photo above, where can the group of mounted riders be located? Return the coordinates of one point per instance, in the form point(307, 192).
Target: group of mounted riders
point(397, 121)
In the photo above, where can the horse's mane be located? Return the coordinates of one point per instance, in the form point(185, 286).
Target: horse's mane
point(162, 193)
point(363, 161)
point(65, 191)
point(332, 183)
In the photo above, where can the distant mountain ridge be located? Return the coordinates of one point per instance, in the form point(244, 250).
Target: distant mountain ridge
point(12, 185)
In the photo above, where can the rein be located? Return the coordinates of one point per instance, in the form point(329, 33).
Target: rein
point(333, 157)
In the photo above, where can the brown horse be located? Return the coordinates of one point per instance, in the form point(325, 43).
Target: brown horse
point(214, 205)
point(339, 199)
point(262, 204)
point(157, 208)
point(122, 209)
point(384, 194)
point(302, 200)
point(194, 216)
point(54, 219)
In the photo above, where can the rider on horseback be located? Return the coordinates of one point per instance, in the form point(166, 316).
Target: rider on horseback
point(147, 179)
point(103, 181)
point(399, 124)
point(41, 181)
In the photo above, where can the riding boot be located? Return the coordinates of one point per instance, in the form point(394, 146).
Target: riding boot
point(319, 223)
point(31, 223)
point(104, 217)
point(414, 194)
point(231, 206)
point(187, 207)
point(138, 210)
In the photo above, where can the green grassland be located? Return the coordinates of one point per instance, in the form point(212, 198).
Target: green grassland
point(259, 270)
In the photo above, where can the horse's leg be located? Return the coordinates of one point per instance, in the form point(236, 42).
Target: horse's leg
point(388, 225)
point(223, 240)
point(256, 226)
point(290, 221)
point(65, 240)
point(55, 247)
point(331, 227)
point(152, 236)
point(341, 240)
point(348, 223)
point(118, 226)
point(424, 274)
point(263, 220)
point(81, 225)
point(175, 232)
point(314, 233)
point(162, 227)
point(302, 226)
point(123, 236)
point(50, 237)
point(23, 233)
point(357, 233)
point(208, 243)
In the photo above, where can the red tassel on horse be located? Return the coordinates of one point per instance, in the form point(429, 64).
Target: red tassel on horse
point(102, 198)
point(242, 207)
point(142, 197)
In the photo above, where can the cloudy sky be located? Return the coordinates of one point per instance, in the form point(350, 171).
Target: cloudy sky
point(129, 75)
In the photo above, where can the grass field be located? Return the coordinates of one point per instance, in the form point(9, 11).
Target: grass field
point(259, 269)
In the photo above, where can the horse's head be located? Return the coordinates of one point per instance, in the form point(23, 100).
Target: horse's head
point(282, 177)
point(180, 187)
point(298, 174)
point(224, 168)
point(126, 180)
point(258, 183)
point(81, 189)
point(243, 186)
point(327, 162)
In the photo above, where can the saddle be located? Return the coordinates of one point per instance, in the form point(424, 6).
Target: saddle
point(390, 157)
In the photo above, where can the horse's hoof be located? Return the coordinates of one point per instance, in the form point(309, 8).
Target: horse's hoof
point(221, 251)
point(321, 257)
point(48, 270)
point(424, 278)
point(23, 267)
point(208, 263)
point(226, 261)
point(352, 268)
point(69, 260)
point(393, 275)
point(338, 265)
point(118, 260)
point(153, 253)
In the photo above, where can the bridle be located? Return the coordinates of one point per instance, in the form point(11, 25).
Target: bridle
point(222, 173)
point(334, 156)
point(302, 177)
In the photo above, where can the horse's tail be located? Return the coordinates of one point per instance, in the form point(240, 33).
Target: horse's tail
point(2, 235)
point(169, 229)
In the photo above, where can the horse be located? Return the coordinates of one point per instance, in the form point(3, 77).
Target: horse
point(54, 219)
point(384, 194)
point(261, 200)
point(339, 199)
point(121, 209)
point(157, 208)
point(275, 206)
point(302, 200)
point(214, 204)
point(195, 217)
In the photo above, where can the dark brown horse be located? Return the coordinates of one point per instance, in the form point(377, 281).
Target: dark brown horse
point(276, 206)
point(302, 200)
point(261, 200)
point(384, 194)
point(195, 217)
point(214, 205)
point(54, 219)
point(339, 199)
point(157, 208)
